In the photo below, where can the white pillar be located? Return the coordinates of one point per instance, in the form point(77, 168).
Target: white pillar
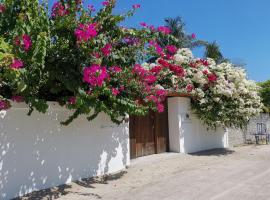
point(226, 138)
point(178, 111)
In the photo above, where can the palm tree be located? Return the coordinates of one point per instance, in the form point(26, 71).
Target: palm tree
point(184, 40)
point(212, 50)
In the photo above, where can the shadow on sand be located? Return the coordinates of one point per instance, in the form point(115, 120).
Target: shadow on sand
point(214, 152)
point(62, 190)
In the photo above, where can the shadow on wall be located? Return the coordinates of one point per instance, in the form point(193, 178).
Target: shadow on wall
point(36, 152)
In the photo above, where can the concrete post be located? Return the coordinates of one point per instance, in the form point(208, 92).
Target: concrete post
point(178, 111)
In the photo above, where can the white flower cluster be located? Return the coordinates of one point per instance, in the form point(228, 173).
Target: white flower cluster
point(183, 55)
point(222, 93)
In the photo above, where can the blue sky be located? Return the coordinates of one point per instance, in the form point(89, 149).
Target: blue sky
point(240, 27)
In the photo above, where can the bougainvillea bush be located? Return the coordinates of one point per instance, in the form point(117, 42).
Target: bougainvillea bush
point(221, 93)
point(85, 60)
point(82, 58)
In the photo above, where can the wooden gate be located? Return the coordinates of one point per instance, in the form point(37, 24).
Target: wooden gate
point(149, 134)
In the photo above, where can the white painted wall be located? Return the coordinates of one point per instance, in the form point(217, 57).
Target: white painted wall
point(36, 152)
point(187, 134)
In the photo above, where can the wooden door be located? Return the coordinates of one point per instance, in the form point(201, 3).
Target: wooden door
point(149, 134)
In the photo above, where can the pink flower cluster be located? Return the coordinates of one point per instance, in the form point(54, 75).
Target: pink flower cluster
point(151, 27)
point(17, 98)
point(16, 64)
point(2, 8)
point(85, 32)
point(91, 8)
point(115, 69)
point(4, 104)
point(106, 50)
point(115, 91)
point(132, 41)
point(178, 70)
point(95, 75)
point(148, 79)
point(136, 6)
point(164, 29)
point(189, 87)
point(158, 99)
point(25, 42)
point(72, 100)
point(212, 78)
point(59, 10)
point(157, 47)
point(171, 49)
point(139, 70)
point(156, 70)
point(106, 3)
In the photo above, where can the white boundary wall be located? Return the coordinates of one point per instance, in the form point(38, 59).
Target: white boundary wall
point(187, 134)
point(36, 152)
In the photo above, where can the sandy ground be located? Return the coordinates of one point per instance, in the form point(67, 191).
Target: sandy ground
point(239, 173)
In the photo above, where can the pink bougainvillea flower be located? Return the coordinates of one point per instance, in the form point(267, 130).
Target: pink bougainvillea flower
point(122, 88)
point(96, 55)
point(95, 75)
point(17, 41)
point(193, 65)
point(115, 91)
point(156, 69)
point(4, 104)
point(152, 43)
point(136, 6)
point(171, 49)
point(193, 35)
point(205, 72)
point(160, 107)
point(151, 98)
point(115, 69)
point(106, 3)
point(72, 100)
point(212, 78)
point(178, 70)
point(164, 29)
point(161, 93)
point(132, 41)
point(164, 63)
point(16, 64)
point(85, 32)
point(168, 56)
point(17, 98)
point(91, 8)
point(24, 41)
point(139, 70)
point(27, 43)
point(204, 62)
point(59, 10)
point(143, 24)
point(152, 27)
point(2, 8)
point(106, 50)
point(189, 87)
point(159, 49)
point(150, 79)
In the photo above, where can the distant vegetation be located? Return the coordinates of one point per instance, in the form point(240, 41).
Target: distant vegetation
point(265, 94)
